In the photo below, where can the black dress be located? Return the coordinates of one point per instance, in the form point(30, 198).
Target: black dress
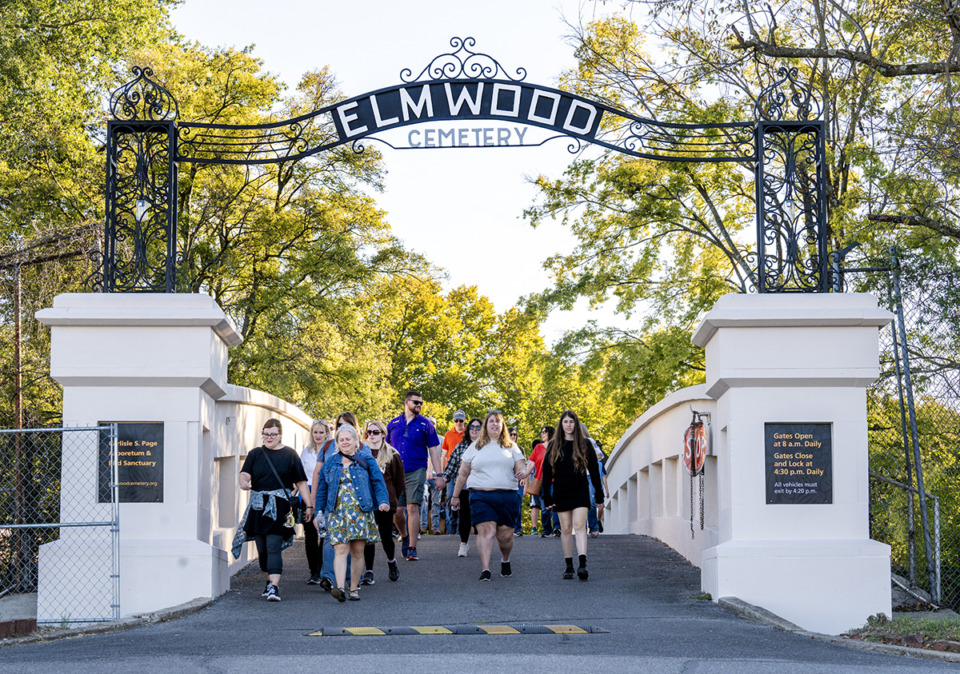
point(290, 469)
point(570, 488)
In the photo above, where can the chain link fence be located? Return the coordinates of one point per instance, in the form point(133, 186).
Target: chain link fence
point(914, 426)
point(59, 538)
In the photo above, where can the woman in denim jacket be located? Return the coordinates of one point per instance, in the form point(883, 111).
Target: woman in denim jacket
point(348, 491)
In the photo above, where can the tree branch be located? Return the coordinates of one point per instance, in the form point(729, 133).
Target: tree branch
point(883, 67)
point(916, 221)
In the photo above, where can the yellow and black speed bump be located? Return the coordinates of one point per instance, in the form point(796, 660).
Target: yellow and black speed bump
point(522, 628)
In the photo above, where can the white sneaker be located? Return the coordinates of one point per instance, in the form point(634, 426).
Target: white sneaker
point(462, 552)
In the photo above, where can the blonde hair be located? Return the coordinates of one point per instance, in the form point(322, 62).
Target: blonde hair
point(311, 446)
point(503, 439)
point(386, 452)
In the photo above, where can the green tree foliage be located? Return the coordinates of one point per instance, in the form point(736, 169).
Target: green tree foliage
point(57, 60)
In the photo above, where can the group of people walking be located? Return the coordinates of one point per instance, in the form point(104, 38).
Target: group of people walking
point(352, 488)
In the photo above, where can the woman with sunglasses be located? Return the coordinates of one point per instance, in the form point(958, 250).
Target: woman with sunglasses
point(267, 473)
point(309, 457)
point(391, 465)
point(569, 466)
point(350, 489)
point(492, 468)
point(450, 475)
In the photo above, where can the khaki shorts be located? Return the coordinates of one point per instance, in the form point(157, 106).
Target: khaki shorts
point(413, 483)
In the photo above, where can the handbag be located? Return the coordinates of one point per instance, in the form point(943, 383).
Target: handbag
point(534, 485)
point(295, 515)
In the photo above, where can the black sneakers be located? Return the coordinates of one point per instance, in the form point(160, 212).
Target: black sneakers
point(485, 575)
point(266, 590)
point(273, 593)
point(505, 571)
point(394, 571)
point(314, 579)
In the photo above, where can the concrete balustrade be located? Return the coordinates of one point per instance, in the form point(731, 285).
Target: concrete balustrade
point(773, 360)
point(155, 358)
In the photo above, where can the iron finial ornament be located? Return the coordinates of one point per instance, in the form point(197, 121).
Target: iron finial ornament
point(463, 63)
point(775, 101)
point(142, 99)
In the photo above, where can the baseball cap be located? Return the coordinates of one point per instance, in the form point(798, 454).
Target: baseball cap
point(459, 414)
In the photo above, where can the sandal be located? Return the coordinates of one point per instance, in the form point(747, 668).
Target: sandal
point(339, 594)
point(354, 595)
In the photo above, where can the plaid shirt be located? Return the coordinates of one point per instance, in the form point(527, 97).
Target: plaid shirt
point(453, 463)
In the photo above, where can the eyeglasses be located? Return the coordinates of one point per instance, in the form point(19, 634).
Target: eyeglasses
point(459, 421)
point(474, 427)
point(417, 402)
point(373, 431)
point(271, 435)
point(513, 435)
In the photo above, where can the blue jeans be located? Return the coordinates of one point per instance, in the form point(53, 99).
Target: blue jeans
point(453, 516)
point(593, 524)
point(549, 522)
point(430, 507)
point(519, 528)
point(326, 571)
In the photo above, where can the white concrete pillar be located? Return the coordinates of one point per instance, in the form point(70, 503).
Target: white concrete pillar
point(158, 358)
point(774, 361)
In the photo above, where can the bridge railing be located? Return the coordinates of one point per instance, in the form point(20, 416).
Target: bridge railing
point(651, 492)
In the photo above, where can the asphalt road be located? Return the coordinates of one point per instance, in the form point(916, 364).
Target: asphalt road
point(640, 593)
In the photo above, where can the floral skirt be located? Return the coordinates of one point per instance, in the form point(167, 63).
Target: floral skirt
point(347, 522)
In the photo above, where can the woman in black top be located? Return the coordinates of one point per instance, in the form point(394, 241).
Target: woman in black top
point(568, 464)
point(266, 517)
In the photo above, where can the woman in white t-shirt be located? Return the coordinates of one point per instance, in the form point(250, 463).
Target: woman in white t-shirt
point(490, 469)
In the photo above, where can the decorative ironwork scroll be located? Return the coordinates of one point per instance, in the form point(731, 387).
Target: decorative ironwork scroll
point(140, 235)
point(472, 90)
point(142, 99)
point(463, 63)
point(791, 190)
point(465, 86)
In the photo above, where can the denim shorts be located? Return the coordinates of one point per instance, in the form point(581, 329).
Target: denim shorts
point(500, 505)
point(413, 483)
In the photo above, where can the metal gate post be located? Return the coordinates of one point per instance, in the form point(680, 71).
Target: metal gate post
point(140, 234)
point(791, 189)
point(912, 413)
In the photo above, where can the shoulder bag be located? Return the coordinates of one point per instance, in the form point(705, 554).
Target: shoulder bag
point(295, 516)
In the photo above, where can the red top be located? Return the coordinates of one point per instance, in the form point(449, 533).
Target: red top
point(537, 457)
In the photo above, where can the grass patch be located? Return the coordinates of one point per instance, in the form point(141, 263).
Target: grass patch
point(896, 631)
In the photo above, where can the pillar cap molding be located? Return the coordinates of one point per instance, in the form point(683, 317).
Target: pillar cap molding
point(784, 310)
point(140, 310)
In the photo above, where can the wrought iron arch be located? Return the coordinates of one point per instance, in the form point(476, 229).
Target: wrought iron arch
point(146, 143)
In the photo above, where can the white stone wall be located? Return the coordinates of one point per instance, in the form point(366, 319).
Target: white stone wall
point(770, 359)
point(155, 358)
point(649, 484)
